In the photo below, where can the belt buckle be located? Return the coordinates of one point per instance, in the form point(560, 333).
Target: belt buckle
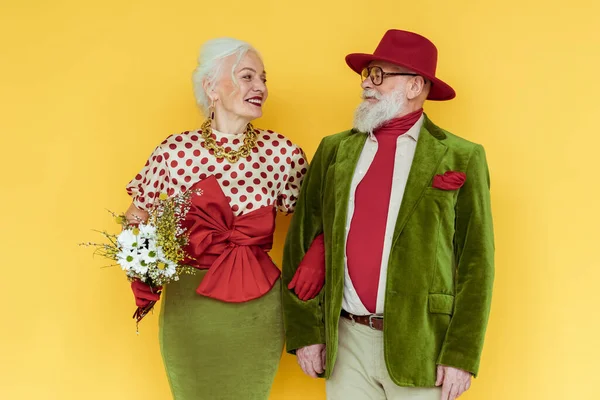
point(371, 317)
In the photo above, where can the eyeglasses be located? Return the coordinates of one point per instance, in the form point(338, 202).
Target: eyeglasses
point(376, 74)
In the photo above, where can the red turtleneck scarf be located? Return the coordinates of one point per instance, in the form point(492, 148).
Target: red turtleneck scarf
point(364, 247)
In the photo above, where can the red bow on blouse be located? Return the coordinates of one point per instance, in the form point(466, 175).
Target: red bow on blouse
point(232, 248)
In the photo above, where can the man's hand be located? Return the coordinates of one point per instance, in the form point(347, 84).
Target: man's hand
point(454, 381)
point(312, 359)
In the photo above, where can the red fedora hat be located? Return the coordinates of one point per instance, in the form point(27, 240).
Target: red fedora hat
point(408, 50)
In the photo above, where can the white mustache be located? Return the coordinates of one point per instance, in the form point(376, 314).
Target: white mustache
point(371, 93)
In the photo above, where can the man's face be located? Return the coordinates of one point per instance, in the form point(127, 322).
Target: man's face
point(389, 84)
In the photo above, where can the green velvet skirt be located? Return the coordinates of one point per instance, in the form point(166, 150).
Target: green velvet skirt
point(214, 350)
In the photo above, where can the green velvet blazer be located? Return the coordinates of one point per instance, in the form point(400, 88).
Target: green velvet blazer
point(441, 265)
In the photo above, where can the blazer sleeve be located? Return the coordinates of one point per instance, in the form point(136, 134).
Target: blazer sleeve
point(303, 320)
point(474, 251)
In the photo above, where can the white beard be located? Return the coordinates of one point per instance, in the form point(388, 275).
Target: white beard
point(369, 117)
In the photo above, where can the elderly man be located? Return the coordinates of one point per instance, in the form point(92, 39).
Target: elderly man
point(404, 209)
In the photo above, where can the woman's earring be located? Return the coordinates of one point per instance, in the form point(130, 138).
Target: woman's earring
point(211, 111)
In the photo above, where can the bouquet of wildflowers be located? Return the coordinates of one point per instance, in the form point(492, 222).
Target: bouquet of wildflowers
point(151, 251)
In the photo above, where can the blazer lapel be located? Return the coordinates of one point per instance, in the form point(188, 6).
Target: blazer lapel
point(347, 156)
point(428, 155)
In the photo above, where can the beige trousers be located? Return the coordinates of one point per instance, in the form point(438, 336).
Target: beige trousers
point(360, 372)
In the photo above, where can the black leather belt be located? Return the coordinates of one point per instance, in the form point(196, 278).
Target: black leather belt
point(374, 321)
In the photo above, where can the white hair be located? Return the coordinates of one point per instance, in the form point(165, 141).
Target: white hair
point(369, 117)
point(210, 63)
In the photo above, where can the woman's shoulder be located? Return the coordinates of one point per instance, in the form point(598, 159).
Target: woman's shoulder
point(272, 138)
point(180, 141)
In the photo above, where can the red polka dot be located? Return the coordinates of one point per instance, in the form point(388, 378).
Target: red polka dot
point(138, 177)
point(194, 138)
point(260, 144)
point(298, 174)
point(276, 176)
point(204, 161)
point(291, 179)
point(196, 169)
point(219, 175)
point(174, 163)
point(266, 137)
point(264, 175)
point(174, 181)
point(155, 184)
point(181, 154)
point(167, 155)
point(256, 181)
point(288, 160)
point(170, 191)
point(211, 168)
point(187, 179)
point(283, 150)
point(248, 174)
point(270, 184)
point(275, 143)
point(188, 145)
point(241, 182)
point(203, 176)
point(183, 188)
point(262, 159)
point(178, 138)
point(269, 152)
point(235, 207)
point(301, 161)
point(225, 183)
point(167, 179)
point(249, 158)
point(258, 197)
point(282, 168)
point(276, 159)
point(162, 172)
point(254, 150)
point(264, 190)
point(303, 171)
point(189, 163)
point(159, 159)
point(234, 190)
point(196, 153)
point(148, 206)
point(249, 206)
point(285, 177)
point(236, 141)
point(228, 149)
point(243, 198)
point(278, 185)
point(220, 160)
point(234, 174)
point(272, 193)
point(225, 140)
point(289, 143)
point(180, 171)
point(227, 167)
point(154, 170)
point(242, 166)
point(270, 168)
point(172, 146)
point(280, 136)
point(228, 199)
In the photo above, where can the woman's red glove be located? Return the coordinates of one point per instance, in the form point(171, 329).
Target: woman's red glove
point(310, 275)
point(144, 294)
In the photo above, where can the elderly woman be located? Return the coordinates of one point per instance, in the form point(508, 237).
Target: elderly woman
point(221, 329)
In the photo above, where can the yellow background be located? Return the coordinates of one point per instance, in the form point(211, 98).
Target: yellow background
point(88, 88)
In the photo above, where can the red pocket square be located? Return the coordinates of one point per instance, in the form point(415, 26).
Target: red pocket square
point(451, 180)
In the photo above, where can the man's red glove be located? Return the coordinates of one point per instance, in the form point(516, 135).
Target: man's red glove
point(310, 275)
point(144, 294)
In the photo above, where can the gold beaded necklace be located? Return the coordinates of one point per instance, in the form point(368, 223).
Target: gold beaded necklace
point(232, 156)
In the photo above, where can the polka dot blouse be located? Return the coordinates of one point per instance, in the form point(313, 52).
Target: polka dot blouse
point(270, 176)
